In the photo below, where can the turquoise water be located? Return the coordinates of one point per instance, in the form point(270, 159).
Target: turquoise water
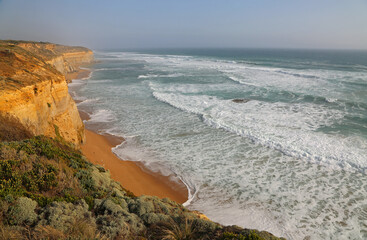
point(290, 158)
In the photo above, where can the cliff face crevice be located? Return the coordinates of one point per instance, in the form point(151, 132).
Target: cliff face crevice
point(34, 98)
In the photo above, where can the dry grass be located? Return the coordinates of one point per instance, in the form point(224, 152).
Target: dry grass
point(8, 233)
point(66, 180)
point(82, 229)
point(48, 232)
point(176, 231)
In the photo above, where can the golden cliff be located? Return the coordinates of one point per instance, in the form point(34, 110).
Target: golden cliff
point(65, 59)
point(34, 98)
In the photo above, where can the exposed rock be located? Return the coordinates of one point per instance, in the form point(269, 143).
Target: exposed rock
point(65, 59)
point(34, 96)
point(240, 100)
point(201, 215)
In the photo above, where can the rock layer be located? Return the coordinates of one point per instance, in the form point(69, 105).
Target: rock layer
point(34, 98)
point(64, 58)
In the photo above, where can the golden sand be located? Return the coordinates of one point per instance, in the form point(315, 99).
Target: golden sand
point(132, 175)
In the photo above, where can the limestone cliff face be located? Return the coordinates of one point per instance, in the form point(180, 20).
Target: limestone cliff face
point(64, 58)
point(34, 96)
point(70, 62)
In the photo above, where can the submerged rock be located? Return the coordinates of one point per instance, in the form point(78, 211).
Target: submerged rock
point(240, 100)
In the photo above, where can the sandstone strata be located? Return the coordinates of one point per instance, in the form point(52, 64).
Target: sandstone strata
point(64, 58)
point(34, 98)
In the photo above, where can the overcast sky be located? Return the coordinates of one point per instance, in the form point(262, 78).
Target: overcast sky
point(102, 24)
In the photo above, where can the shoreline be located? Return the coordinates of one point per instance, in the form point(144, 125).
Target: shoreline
point(133, 176)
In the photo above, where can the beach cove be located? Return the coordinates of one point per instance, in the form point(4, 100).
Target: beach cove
point(228, 125)
point(134, 176)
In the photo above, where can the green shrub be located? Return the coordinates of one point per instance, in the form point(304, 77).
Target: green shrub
point(10, 181)
point(43, 169)
point(22, 212)
point(147, 204)
point(62, 215)
point(204, 225)
point(41, 178)
point(9, 198)
point(86, 180)
point(252, 235)
point(113, 220)
point(154, 218)
point(141, 206)
point(107, 207)
point(101, 178)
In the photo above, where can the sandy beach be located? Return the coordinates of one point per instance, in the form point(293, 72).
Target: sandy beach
point(133, 176)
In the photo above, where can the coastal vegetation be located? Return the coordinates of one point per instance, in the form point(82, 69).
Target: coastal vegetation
point(49, 190)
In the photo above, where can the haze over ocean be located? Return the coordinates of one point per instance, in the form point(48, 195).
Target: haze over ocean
point(205, 23)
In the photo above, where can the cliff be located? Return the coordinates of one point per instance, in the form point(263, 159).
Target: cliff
point(34, 98)
point(65, 59)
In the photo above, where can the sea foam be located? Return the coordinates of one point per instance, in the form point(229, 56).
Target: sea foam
point(289, 159)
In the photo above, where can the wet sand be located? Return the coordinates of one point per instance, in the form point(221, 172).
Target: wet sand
point(132, 175)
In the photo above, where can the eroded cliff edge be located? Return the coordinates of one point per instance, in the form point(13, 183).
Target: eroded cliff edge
point(34, 98)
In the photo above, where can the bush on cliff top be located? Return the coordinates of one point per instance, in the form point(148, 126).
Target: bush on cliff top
point(47, 170)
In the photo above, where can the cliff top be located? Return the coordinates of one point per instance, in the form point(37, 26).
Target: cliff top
point(20, 68)
point(45, 50)
point(23, 63)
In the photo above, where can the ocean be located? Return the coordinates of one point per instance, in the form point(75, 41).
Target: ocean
point(269, 139)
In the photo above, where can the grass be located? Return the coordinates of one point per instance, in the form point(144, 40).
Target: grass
point(21, 67)
point(175, 231)
point(250, 236)
point(45, 170)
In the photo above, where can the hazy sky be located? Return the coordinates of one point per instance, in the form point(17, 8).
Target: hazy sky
point(188, 23)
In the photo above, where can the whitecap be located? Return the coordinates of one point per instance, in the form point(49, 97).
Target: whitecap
point(102, 116)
